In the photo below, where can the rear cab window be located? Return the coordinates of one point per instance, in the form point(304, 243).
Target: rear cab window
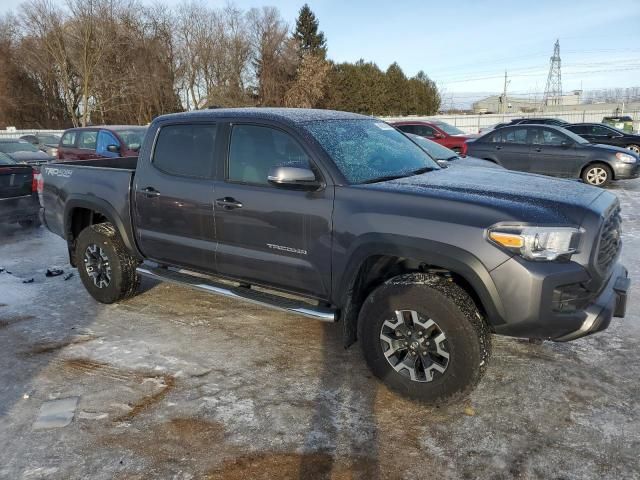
point(69, 139)
point(186, 150)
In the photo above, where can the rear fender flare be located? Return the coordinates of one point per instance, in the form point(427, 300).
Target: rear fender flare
point(105, 209)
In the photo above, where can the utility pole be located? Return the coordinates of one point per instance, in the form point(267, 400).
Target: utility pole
point(504, 94)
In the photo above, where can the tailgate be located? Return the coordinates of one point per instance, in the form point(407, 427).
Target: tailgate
point(15, 181)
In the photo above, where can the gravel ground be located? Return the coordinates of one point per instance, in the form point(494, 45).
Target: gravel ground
point(179, 384)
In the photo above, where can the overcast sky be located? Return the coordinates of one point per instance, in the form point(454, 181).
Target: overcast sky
point(465, 46)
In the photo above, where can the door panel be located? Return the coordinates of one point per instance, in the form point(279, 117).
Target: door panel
point(266, 234)
point(511, 148)
point(174, 198)
point(550, 157)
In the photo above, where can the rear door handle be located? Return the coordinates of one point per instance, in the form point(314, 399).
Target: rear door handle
point(150, 192)
point(228, 203)
point(538, 149)
point(498, 147)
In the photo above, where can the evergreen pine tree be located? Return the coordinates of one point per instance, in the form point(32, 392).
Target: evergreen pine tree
point(310, 40)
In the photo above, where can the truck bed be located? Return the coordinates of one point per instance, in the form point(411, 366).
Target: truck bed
point(122, 163)
point(103, 184)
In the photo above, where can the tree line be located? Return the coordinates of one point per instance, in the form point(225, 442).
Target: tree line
point(121, 61)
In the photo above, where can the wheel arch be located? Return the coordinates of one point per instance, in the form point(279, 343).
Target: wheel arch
point(598, 162)
point(81, 212)
point(373, 263)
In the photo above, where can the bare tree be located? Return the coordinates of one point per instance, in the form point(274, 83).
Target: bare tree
point(308, 88)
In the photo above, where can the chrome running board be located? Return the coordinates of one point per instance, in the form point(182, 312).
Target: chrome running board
point(238, 292)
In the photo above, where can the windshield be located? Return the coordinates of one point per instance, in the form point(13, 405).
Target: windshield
point(435, 150)
point(366, 150)
point(132, 138)
point(576, 138)
point(450, 129)
point(6, 159)
point(17, 146)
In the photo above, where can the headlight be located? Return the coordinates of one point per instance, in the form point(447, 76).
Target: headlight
point(625, 157)
point(537, 243)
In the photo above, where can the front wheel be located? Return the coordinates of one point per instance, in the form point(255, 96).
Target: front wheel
point(106, 269)
point(598, 175)
point(423, 336)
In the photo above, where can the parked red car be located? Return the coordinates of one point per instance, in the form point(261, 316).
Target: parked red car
point(87, 143)
point(439, 132)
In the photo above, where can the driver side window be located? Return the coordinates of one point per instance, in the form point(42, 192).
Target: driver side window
point(254, 150)
point(552, 138)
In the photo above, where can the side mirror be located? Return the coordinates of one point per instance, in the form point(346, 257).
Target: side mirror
point(437, 135)
point(293, 177)
point(113, 148)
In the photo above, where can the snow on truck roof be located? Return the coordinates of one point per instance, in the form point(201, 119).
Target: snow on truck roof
point(286, 115)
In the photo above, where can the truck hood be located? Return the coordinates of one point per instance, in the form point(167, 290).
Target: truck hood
point(499, 195)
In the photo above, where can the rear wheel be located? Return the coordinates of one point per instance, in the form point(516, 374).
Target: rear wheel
point(106, 269)
point(597, 174)
point(423, 336)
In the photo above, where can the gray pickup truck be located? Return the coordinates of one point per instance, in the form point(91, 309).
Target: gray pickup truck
point(342, 218)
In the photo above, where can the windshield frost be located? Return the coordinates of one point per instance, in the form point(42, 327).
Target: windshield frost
point(365, 150)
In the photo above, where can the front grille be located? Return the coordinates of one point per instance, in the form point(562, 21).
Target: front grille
point(610, 241)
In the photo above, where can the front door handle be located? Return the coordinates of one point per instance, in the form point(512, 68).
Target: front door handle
point(228, 203)
point(538, 149)
point(150, 192)
point(498, 147)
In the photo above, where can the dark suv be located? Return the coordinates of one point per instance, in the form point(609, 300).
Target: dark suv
point(554, 151)
point(101, 142)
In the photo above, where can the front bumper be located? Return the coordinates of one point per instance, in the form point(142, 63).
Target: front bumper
point(626, 171)
point(527, 293)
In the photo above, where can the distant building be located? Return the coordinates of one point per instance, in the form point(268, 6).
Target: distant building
point(493, 104)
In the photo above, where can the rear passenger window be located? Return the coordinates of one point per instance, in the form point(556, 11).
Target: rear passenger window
point(255, 150)
point(69, 139)
point(87, 140)
point(186, 150)
point(407, 128)
point(516, 135)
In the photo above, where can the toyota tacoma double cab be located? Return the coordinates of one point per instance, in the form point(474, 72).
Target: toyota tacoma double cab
point(342, 218)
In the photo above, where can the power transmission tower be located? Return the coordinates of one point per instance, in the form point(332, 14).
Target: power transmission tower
point(553, 90)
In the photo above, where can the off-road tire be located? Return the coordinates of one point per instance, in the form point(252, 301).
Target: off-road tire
point(437, 298)
point(124, 280)
point(591, 169)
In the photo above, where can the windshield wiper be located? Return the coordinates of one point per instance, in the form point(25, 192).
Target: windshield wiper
point(385, 178)
point(454, 157)
point(423, 170)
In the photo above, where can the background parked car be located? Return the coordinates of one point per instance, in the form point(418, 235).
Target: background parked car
point(47, 142)
point(18, 193)
point(606, 135)
point(555, 151)
point(447, 157)
point(23, 152)
point(533, 121)
point(101, 142)
point(624, 122)
point(440, 132)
